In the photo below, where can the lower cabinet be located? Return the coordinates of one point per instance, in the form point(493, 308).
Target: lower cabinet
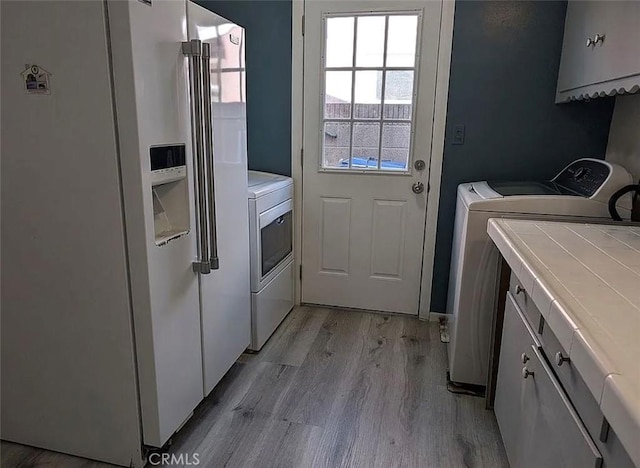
point(552, 433)
point(539, 426)
point(516, 348)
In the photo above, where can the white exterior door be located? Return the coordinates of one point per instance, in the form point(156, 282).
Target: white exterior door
point(369, 74)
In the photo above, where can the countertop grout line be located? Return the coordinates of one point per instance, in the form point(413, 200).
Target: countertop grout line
point(588, 268)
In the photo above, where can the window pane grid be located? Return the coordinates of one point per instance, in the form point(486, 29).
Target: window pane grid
point(378, 118)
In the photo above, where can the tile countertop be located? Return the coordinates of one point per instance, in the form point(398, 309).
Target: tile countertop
point(585, 280)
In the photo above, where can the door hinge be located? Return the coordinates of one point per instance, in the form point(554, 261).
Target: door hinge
point(300, 272)
point(301, 157)
point(303, 25)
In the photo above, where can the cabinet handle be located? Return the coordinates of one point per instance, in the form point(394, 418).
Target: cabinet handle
point(526, 373)
point(598, 38)
point(524, 358)
point(590, 42)
point(519, 289)
point(560, 359)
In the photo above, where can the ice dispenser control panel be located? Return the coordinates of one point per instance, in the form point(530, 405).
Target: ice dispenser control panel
point(168, 163)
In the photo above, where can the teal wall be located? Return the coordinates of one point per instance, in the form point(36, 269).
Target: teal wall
point(268, 27)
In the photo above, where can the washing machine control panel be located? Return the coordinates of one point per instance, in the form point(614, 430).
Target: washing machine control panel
point(584, 177)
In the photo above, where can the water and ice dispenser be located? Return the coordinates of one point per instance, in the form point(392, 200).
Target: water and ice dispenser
point(170, 192)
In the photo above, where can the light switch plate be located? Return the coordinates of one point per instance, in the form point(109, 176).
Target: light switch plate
point(458, 135)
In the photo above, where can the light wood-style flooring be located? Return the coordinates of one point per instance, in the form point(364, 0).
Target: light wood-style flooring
point(331, 389)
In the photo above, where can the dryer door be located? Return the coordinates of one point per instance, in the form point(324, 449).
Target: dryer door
point(276, 239)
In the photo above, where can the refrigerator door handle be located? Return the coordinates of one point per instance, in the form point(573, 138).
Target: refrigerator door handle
point(208, 154)
point(193, 50)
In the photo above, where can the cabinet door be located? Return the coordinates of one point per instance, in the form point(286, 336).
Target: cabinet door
point(617, 56)
point(576, 64)
point(516, 341)
point(552, 434)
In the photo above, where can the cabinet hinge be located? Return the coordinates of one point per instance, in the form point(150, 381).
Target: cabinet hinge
point(303, 25)
point(301, 272)
point(301, 157)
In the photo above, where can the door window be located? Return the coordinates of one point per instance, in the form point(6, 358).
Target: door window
point(368, 92)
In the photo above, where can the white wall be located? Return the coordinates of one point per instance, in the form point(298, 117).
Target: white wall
point(624, 137)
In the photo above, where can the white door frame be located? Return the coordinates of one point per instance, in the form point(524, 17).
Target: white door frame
point(437, 144)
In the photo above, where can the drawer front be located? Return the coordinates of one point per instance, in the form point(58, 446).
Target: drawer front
point(517, 339)
point(523, 300)
point(554, 435)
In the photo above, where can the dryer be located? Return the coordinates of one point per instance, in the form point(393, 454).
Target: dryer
point(271, 253)
point(580, 191)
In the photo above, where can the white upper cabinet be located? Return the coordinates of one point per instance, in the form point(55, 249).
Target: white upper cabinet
point(601, 49)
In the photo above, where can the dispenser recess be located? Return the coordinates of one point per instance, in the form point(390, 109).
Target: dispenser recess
point(170, 192)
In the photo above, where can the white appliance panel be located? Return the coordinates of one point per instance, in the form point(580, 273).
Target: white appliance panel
point(263, 183)
point(271, 305)
point(64, 268)
point(272, 198)
point(471, 312)
point(225, 295)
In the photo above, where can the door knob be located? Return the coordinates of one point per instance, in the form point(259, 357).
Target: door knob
point(417, 187)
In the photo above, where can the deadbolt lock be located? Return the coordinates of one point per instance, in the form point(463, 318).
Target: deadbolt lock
point(419, 165)
point(417, 187)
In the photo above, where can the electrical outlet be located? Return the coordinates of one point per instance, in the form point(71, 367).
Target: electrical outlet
point(458, 135)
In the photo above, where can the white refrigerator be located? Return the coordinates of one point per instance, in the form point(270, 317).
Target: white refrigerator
point(125, 250)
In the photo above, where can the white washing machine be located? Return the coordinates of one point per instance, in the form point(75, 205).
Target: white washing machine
point(271, 252)
point(580, 191)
